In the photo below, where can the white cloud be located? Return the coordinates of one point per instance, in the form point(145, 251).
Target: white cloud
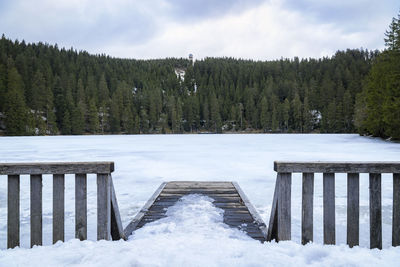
point(265, 32)
point(153, 29)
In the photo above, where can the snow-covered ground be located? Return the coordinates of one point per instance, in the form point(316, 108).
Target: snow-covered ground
point(142, 162)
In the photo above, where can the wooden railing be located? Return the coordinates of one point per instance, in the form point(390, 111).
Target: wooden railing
point(108, 218)
point(280, 220)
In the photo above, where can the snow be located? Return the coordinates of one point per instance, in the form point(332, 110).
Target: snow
point(180, 74)
point(193, 232)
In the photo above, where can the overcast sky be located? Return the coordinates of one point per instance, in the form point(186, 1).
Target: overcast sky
point(255, 29)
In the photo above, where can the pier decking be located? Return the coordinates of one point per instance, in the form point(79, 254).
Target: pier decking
point(238, 211)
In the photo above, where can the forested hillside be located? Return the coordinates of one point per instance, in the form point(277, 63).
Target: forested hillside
point(47, 90)
point(378, 106)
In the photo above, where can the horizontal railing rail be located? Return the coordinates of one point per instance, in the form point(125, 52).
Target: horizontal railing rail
point(108, 218)
point(280, 220)
point(337, 167)
point(56, 168)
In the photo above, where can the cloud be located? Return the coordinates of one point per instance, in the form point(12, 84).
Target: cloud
point(268, 31)
point(350, 15)
point(81, 23)
point(254, 29)
point(193, 10)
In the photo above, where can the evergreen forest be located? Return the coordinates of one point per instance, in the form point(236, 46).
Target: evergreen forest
point(47, 90)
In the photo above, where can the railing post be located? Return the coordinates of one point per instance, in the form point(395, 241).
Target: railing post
point(108, 212)
point(284, 206)
point(36, 210)
point(117, 230)
point(329, 208)
point(103, 206)
point(375, 210)
point(396, 210)
point(13, 211)
point(80, 206)
point(353, 170)
point(307, 208)
point(58, 207)
point(353, 209)
point(273, 219)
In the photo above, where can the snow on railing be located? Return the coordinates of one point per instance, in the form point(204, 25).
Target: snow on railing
point(108, 218)
point(280, 220)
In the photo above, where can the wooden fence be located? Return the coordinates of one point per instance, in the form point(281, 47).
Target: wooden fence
point(280, 220)
point(108, 218)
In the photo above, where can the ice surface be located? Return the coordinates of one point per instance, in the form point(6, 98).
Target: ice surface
point(142, 162)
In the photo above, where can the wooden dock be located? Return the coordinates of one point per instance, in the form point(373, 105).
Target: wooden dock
point(238, 211)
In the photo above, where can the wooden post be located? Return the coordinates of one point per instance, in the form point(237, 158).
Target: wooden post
point(307, 208)
point(284, 206)
point(80, 206)
point(103, 206)
point(13, 211)
point(117, 230)
point(272, 232)
point(58, 207)
point(329, 208)
point(36, 210)
point(396, 210)
point(353, 209)
point(375, 210)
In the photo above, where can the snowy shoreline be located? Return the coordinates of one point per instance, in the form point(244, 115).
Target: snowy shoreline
point(193, 234)
point(143, 162)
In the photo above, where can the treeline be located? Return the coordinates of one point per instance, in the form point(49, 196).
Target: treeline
point(47, 90)
point(378, 106)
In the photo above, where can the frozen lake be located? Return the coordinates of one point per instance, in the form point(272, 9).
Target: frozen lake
point(142, 162)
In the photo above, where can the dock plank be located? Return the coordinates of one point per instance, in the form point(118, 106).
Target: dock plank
point(238, 211)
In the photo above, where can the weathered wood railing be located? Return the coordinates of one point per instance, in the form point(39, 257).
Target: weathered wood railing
point(280, 220)
point(108, 218)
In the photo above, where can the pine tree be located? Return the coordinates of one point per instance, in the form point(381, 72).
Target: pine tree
point(103, 118)
point(360, 113)
point(80, 92)
point(127, 121)
point(264, 114)
point(144, 122)
point(214, 114)
point(136, 128)
point(93, 118)
point(164, 123)
point(348, 108)
point(297, 111)
point(328, 123)
point(115, 116)
point(241, 115)
point(91, 89)
point(153, 110)
point(285, 113)
point(381, 94)
point(38, 100)
point(196, 113)
point(179, 115)
point(3, 79)
point(78, 119)
point(307, 116)
point(17, 117)
point(392, 40)
point(104, 93)
point(66, 127)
